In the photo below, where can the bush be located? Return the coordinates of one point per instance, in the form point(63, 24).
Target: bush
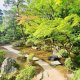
point(30, 58)
point(3, 77)
point(46, 48)
point(76, 75)
point(11, 76)
point(18, 43)
point(77, 60)
point(38, 42)
point(63, 53)
point(4, 40)
point(76, 50)
point(29, 43)
point(2, 53)
point(26, 74)
point(68, 63)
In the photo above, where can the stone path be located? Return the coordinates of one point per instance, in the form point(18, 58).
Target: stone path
point(48, 74)
point(9, 48)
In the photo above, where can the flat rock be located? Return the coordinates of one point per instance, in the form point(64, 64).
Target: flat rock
point(54, 63)
point(0, 75)
point(35, 58)
point(26, 55)
point(70, 75)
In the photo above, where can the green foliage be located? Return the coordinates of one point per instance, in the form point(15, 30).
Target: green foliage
point(19, 43)
point(76, 75)
point(77, 41)
point(26, 74)
point(63, 53)
point(38, 42)
point(77, 60)
point(46, 48)
point(4, 40)
point(2, 53)
point(3, 77)
point(58, 20)
point(46, 28)
point(29, 42)
point(30, 57)
point(54, 8)
point(68, 63)
point(42, 32)
point(11, 76)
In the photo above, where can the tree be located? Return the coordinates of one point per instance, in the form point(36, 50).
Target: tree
point(1, 15)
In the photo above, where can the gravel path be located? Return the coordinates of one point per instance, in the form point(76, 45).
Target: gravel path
point(49, 72)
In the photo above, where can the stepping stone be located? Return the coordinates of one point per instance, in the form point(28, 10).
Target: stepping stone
point(55, 63)
point(34, 47)
point(45, 74)
point(0, 75)
point(70, 75)
point(35, 59)
point(39, 76)
point(26, 55)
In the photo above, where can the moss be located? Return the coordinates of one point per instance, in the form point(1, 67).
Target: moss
point(38, 53)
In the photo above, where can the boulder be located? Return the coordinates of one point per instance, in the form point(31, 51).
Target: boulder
point(8, 66)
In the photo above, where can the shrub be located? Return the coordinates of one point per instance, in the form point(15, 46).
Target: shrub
point(68, 63)
point(4, 40)
point(29, 43)
point(11, 76)
point(3, 77)
point(77, 60)
point(26, 74)
point(76, 75)
point(2, 53)
point(63, 53)
point(30, 57)
point(38, 42)
point(18, 43)
point(46, 48)
point(76, 50)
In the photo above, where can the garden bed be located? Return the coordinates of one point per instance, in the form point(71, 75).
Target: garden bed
point(44, 56)
point(37, 53)
point(22, 65)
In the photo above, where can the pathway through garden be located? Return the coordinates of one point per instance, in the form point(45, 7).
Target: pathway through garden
point(49, 72)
